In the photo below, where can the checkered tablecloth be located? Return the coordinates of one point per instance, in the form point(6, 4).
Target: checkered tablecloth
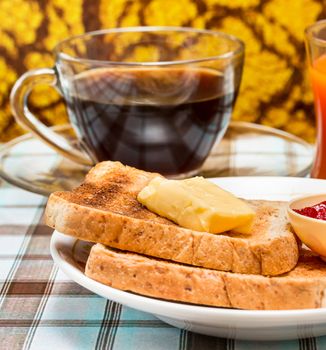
point(41, 308)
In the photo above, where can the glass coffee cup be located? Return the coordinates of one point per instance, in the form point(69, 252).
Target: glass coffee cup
point(156, 98)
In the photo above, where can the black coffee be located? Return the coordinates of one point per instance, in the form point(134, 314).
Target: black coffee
point(163, 120)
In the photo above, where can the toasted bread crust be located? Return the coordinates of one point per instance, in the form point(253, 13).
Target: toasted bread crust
point(301, 288)
point(105, 210)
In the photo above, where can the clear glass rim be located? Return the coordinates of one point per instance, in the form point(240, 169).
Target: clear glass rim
point(309, 32)
point(239, 50)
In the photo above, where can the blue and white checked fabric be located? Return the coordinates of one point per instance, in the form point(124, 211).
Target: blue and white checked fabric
point(40, 308)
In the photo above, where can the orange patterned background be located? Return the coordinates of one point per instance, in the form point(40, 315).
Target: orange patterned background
point(275, 88)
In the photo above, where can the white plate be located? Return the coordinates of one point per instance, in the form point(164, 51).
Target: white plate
point(70, 254)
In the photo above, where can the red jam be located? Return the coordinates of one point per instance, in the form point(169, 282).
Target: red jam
point(317, 211)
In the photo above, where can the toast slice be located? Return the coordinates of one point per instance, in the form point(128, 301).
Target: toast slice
point(104, 209)
point(301, 288)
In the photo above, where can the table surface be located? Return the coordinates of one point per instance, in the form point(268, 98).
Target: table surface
point(41, 308)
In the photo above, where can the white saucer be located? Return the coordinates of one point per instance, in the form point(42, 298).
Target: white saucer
point(70, 255)
point(246, 149)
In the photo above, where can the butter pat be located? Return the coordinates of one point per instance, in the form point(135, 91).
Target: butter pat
point(197, 204)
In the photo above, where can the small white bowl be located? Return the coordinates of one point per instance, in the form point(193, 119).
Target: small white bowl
point(312, 232)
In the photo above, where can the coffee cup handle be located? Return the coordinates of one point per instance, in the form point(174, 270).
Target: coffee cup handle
point(19, 105)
